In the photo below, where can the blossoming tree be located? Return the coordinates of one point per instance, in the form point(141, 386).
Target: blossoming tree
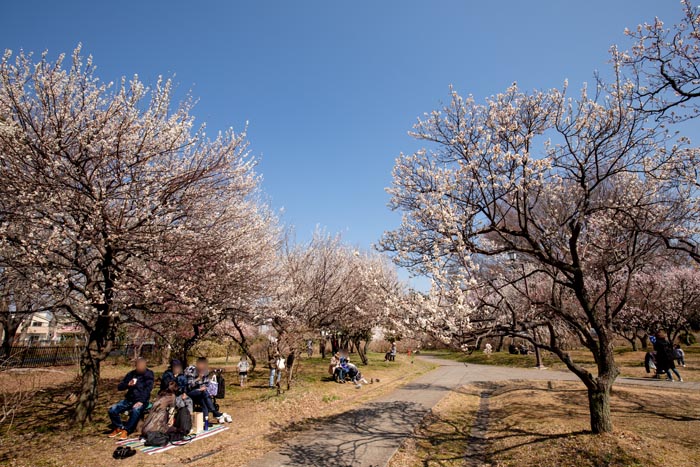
point(566, 184)
point(102, 177)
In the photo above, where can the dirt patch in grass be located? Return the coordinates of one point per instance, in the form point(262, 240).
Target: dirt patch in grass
point(41, 436)
point(545, 425)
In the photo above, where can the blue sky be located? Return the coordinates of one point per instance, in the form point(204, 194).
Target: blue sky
point(331, 88)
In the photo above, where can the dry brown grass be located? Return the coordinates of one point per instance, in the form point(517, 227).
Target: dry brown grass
point(261, 418)
point(631, 364)
point(536, 425)
point(545, 425)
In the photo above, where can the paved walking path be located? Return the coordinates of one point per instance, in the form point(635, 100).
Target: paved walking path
point(368, 436)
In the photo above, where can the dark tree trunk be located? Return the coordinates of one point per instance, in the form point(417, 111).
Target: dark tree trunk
point(499, 347)
point(599, 406)
point(90, 377)
point(360, 351)
point(292, 359)
point(600, 386)
point(9, 328)
point(645, 341)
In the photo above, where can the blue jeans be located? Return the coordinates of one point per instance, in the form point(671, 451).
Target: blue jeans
point(668, 373)
point(115, 414)
point(273, 373)
point(203, 399)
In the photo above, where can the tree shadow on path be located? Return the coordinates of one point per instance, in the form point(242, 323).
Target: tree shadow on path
point(350, 438)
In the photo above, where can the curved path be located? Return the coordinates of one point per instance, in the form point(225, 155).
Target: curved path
point(370, 435)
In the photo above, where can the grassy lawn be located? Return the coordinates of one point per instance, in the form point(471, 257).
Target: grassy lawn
point(261, 418)
point(631, 363)
point(536, 424)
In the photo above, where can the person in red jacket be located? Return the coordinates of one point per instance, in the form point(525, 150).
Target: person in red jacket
point(138, 384)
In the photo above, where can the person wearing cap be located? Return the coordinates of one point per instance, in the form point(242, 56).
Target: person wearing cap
point(174, 373)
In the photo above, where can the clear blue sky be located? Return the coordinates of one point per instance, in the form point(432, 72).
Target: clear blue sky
point(331, 88)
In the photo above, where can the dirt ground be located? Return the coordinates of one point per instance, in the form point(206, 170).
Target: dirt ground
point(41, 436)
point(545, 425)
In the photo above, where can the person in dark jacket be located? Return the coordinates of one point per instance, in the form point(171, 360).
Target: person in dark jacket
point(174, 373)
point(138, 385)
point(664, 356)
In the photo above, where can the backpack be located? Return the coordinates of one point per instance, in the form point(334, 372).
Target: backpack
point(221, 390)
point(183, 421)
point(213, 386)
point(156, 438)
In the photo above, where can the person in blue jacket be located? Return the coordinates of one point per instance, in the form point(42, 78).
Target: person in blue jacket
point(138, 384)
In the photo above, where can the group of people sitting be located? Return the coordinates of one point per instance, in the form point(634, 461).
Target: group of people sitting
point(664, 357)
point(181, 389)
point(342, 371)
point(520, 349)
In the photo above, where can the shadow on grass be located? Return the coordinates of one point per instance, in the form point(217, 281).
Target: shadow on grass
point(37, 424)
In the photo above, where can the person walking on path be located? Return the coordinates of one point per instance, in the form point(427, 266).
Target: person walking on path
point(664, 356)
point(679, 355)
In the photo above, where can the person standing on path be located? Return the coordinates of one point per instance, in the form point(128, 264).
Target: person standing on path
point(243, 370)
point(273, 358)
point(664, 356)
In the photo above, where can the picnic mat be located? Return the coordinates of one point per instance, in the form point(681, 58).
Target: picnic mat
point(137, 443)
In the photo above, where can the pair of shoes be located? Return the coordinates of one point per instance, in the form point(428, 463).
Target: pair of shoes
point(224, 418)
point(119, 433)
point(122, 452)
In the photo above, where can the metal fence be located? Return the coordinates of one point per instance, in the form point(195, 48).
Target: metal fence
point(63, 355)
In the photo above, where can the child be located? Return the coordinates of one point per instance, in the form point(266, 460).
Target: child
point(679, 355)
point(243, 370)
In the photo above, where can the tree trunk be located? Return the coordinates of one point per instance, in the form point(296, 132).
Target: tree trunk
point(499, 347)
point(360, 351)
point(165, 354)
point(9, 330)
point(291, 367)
point(599, 406)
point(90, 377)
point(645, 342)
